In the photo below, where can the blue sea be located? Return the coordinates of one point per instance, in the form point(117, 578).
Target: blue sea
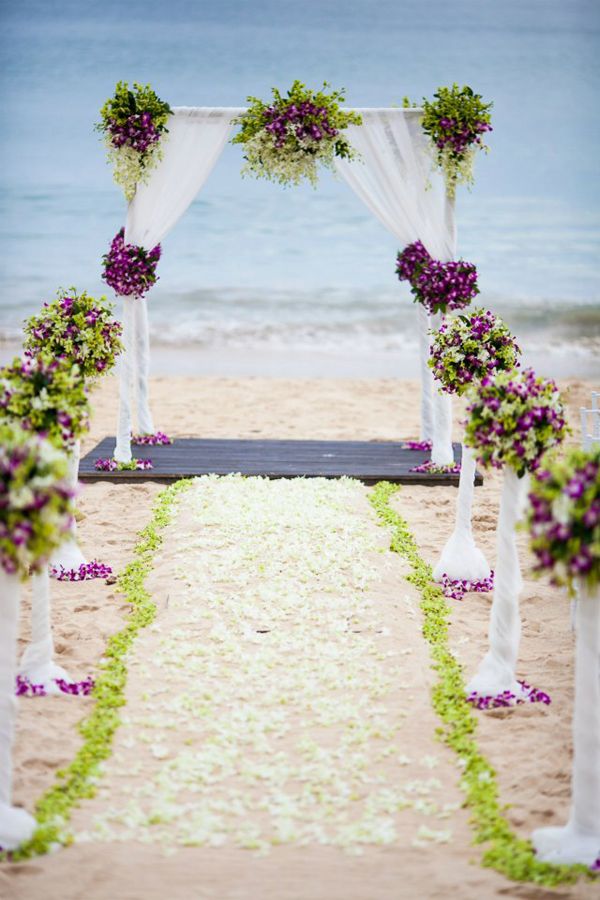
point(253, 267)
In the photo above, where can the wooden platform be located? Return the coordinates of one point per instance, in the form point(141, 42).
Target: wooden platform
point(368, 461)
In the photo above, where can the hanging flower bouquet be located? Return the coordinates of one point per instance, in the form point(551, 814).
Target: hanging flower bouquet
point(438, 286)
point(470, 347)
point(287, 140)
point(133, 123)
point(46, 396)
point(79, 328)
point(35, 501)
point(455, 122)
point(128, 269)
point(514, 419)
point(564, 518)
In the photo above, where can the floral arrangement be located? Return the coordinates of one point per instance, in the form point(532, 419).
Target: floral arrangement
point(128, 269)
point(439, 286)
point(46, 396)
point(469, 347)
point(455, 122)
point(152, 440)
point(507, 698)
point(417, 445)
point(36, 506)
point(77, 327)
point(514, 418)
point(85, 572)
point(456, 588)
point(563, 518)
point(431, 468)
point(285, 141)
point(111, 465)
point(133, 124)
point(25, 688)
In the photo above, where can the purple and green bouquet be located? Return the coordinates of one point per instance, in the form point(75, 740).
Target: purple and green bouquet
point(563, 518)
point(286, 140)
point(36, 503)
point(79, 328)
point(128, 269)
point(514, 419)
point(438, 286)
point(470, 347)
point(455, 122)
point(47, 396)
point(133, 123)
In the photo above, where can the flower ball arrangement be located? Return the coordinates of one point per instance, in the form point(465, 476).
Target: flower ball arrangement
point(563, 518)
point(36, 507)
point(128, 269)
point(285, 141)
point(514, 418)
point(468, 348)
point(455, 122)
point(438, 286)
point(79, 328)
point(133, 123)
point(47, 397)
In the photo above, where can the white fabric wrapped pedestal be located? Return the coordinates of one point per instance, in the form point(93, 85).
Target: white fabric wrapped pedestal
point(37, 663)
point(497, 671)
point(579, 840)
point(16, 825)
point(427, 385)
point(461, 558)
point(69, 555)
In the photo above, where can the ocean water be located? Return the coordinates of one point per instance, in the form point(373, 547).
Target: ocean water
point(252, 267)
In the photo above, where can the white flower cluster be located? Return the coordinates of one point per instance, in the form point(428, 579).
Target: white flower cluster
point(126, 162)
point(269, 685)
point(295, 161)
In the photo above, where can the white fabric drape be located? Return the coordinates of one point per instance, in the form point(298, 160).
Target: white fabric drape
point(69, 555)
point(392, 181)
point(37, 663)
point(497, 670)
point(16, 825)
point(579, 840)
point(195, 141)
point(461, 558)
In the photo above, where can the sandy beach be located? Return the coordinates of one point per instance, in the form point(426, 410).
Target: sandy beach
point(529, 747)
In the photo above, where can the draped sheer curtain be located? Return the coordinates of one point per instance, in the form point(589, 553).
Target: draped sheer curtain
point(392, 180)
point(193, 145)
point(396, 183)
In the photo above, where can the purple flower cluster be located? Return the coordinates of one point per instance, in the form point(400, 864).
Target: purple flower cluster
point(111, 465)
point(439, 286)
point(306, 120)
point(469, 347)
point(85, 572)
point(567, 535)
point(507, 698)
point(455, 589)
point(128, 269)
point(152, 440)
point(417, 445)
point(458, 137)
point(25, 688)
point(411, 260)
point(431, 468)
point(138, 132)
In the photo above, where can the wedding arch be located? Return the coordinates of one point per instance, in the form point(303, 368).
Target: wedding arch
point(393, 177)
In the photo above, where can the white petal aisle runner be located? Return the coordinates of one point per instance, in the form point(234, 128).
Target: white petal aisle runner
point(282, 693)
